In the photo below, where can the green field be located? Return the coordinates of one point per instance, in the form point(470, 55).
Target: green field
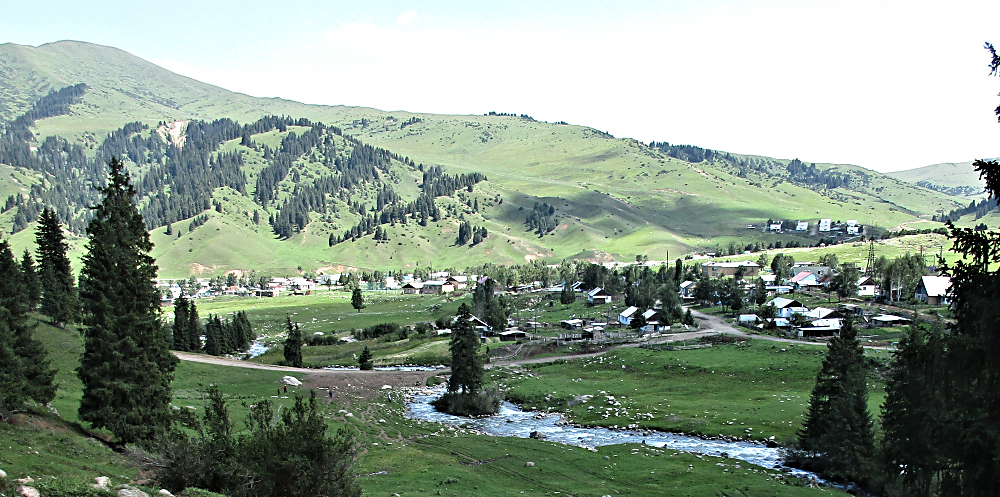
point(397, 456)
point(752, 390)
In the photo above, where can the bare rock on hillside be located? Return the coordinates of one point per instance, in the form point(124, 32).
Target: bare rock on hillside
point(291, 380)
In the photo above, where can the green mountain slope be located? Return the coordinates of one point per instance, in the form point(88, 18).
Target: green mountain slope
point(606, 197)
point(952, 177)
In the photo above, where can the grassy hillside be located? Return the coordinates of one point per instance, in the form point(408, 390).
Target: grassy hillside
point(944, 174)
point(613, 198)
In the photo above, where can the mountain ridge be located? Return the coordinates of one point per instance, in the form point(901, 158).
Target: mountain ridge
point(612, 195)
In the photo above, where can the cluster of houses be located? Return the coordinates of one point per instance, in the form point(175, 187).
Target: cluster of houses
point(850, 227)
point(795, 319)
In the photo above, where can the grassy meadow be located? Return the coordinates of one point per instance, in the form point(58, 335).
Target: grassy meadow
point(396, 455)
point(751, 390)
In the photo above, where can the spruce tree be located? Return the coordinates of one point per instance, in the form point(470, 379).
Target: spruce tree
point(357, 299)
point(59, 294)
point(29, 277)
point(194, 328)
point(30, 364)
point(466, 361)
point(365, 360)
point(293, 344)
point(213, 336)
point(126, 366)
point(180, 339)
point(245, 331)
point(837, 433)
point(911, 455)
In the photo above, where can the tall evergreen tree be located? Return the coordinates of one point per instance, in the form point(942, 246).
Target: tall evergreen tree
point(29, 277)
point(126, 366)
point(179, 337)
point(31, 364)
point(566, 296)
point(194, 328)
point(357, 299)
point(214, 341)
point(59, 293)
point(365, 360)
point(293, 344)
point(837, 433)
point(912, 412)
point(466, 361)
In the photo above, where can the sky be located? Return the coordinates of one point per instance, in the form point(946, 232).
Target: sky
point(887, 85)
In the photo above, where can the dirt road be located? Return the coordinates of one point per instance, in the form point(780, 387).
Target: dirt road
point(716, 323)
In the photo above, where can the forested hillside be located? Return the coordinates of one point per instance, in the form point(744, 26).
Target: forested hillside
point(227, 181)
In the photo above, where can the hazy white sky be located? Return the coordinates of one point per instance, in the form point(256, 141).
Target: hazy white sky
point(883, 84)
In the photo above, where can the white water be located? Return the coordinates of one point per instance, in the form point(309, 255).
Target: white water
point(512, 421)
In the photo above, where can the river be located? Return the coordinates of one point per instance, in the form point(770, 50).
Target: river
point(512, 421)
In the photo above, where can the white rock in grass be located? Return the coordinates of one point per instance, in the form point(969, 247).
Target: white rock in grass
point(3, 475)
point(131, 492)
point(28, 491)
point(165, 493)
point(102, 483)
point(529, 464)
point(290, 380)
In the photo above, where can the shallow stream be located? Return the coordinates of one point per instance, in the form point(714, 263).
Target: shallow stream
point(512, 421)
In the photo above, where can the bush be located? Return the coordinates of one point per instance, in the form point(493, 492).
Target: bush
point(483, 403)
point(288, 454)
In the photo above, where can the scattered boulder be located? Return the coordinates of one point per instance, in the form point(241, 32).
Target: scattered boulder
point(537, 435)
point(25, 481)
point(165, 493)
point(131, 492)
point(386, 387)
point(529, 464)
point(28, 491)
point(291, 380)
point(3, 475)
point(102, 483)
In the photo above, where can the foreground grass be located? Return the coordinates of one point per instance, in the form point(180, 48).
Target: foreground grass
point(755, 390)
point(409, 457)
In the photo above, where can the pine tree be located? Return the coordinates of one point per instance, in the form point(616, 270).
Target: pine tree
point(213, 336)
point(194, 328)
point(466, 361)
point(126, 366)
point(837, 433)
point(59, 294)
point(357, 299)
point(293, 344)
point(365, 360)
point(29, 277)
point(180, 338)
point(30, 365)
point(913, 404)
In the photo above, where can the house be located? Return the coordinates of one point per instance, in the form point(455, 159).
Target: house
point(934, 290)
point(598, 296)
point(512, 335)
point(437, 287)
point(774, 227)
point(458, 281)
point(888, 321)
point(267, 292)
point(823, 313)
point(817, 269)
point(412, 287)
point(778, 289)
point(721, 269)
point(783, 302)
point(824, 224)
point(654, 321)
point(867, 287)
point(802, 226)
point(687, 289)
point(854, 230)
point(625, 318)
point(571, 324)
point(804, 279)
